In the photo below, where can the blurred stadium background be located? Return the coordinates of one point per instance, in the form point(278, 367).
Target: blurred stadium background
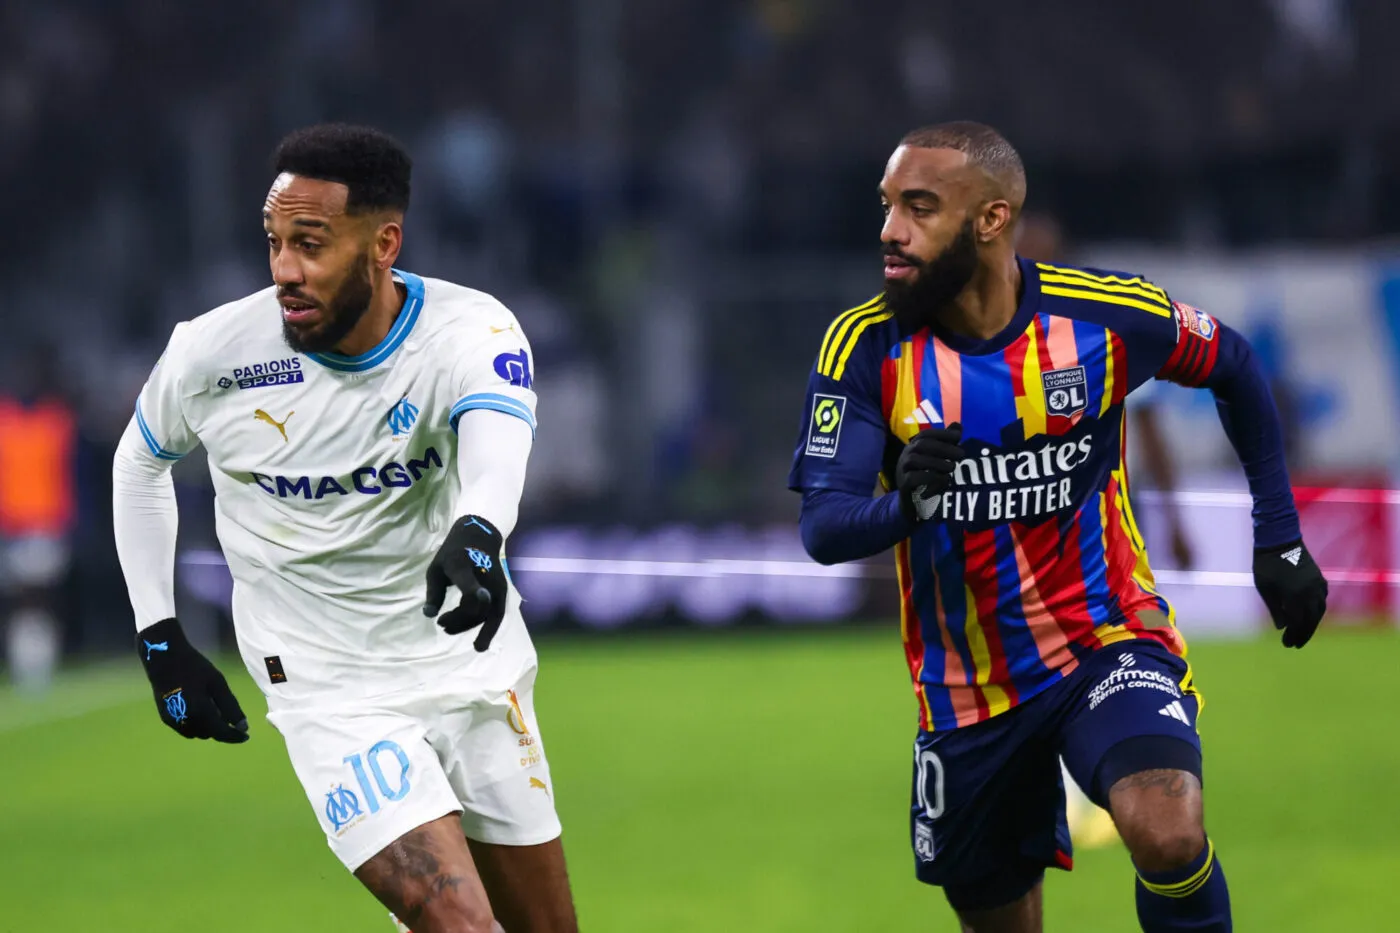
point(676, 196)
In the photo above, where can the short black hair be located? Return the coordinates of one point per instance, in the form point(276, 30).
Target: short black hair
point(985, 148)
point(372, 164)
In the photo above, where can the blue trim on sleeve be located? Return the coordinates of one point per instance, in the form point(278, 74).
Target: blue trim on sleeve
point(412, 308)
point(490, 401)
point(150, 438)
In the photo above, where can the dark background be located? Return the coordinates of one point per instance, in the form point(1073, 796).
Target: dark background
point(675, 196)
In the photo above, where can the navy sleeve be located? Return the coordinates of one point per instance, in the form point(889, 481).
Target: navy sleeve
point(842, 439)
point(841, 526)
point(1211, 355)
point(842, 446)
point(1173, 341)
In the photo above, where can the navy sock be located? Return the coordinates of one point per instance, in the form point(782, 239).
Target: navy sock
point(1192, 898)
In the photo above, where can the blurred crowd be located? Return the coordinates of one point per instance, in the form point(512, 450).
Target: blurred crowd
point(674, 195)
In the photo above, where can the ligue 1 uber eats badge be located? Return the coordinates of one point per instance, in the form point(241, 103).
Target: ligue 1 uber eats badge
point(825, 434)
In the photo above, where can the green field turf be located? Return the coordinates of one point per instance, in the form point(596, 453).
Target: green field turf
point(730, 782)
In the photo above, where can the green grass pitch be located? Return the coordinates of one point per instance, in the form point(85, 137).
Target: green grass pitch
point(724, 782)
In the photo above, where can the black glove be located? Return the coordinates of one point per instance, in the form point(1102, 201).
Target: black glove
point(1293, 588)
point(192, 697)
point(470, 559)
point(925, 469)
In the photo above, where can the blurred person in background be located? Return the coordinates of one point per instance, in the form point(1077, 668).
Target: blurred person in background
point(38, 438)
point(985, 392)
point(1041, 238)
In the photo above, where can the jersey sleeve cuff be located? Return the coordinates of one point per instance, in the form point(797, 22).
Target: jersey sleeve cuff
point(149, 437)
point(491, 401)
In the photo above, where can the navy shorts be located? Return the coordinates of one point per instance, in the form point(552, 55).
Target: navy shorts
point(987, 814)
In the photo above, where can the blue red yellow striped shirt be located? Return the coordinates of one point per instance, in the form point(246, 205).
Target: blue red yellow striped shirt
point(1034, 559)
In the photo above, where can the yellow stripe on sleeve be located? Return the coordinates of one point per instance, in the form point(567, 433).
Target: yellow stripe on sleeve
point(1106, 298)
point(853, 339)
point(836, 333)
point(1106, 289)
point(1135, 281)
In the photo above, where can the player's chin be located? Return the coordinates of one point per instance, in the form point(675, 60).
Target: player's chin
point(305, 337)
point(899, 287)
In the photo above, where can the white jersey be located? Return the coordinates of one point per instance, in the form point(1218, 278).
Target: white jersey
point(335, 477)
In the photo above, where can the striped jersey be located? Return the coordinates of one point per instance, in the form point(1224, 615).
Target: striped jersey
point(1033, 559)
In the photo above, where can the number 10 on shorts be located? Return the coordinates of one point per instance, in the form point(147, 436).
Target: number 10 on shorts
point(373, 757)
point(928, 788)
point(929, 784)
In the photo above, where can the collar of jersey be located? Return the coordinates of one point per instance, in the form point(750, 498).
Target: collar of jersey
point(1025, 312)
point(408, 316)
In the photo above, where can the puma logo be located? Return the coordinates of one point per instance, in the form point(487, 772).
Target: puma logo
point(473, 520)
point(281, 426)
point(536, 782)
point(501, 330)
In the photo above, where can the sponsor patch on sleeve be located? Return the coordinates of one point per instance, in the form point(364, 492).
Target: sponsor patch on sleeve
point(1195, 320)
point(515, 368)
point(828, 411)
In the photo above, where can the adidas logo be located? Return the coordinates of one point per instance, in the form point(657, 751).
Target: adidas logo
point(925, 415)
point(1174, 710)
point(1293, 555)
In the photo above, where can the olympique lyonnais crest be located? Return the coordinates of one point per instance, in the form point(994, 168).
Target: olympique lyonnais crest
point(924, 846)
point(1066, 397)
point(1195, 320)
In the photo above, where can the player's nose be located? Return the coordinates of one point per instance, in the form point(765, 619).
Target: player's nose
point(286, 270)
point(894, 230)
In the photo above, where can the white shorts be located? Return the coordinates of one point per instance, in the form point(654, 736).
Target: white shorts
point(378, 768)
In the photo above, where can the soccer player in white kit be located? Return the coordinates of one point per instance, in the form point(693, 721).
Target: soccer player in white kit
point(367, 432)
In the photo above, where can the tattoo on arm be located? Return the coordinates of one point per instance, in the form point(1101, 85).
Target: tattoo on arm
point(1172, 783)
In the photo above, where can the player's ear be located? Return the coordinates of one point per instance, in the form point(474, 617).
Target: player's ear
point(388, 240)
point(995, 220)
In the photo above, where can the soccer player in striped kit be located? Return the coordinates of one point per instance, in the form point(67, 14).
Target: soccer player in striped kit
point(985, 394)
